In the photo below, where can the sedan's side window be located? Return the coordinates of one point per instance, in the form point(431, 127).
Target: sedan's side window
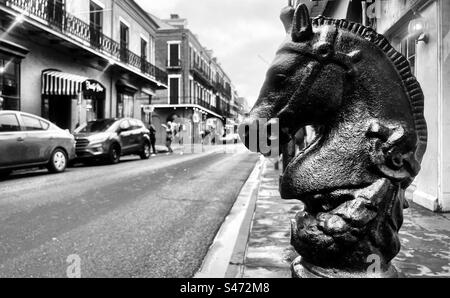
point(31, 123)
point(9, 123)
point(45, 125)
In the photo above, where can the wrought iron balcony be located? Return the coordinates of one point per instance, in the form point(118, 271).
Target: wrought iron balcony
point(54, 15)
point(201, 74)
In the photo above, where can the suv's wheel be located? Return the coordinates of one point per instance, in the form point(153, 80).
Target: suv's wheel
point(114, 154)
point(58, 161)
point(145, 152)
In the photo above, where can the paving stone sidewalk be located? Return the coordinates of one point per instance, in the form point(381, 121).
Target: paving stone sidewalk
point(425, 237)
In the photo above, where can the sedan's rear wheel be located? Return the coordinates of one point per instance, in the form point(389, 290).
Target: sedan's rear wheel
point(58, 161)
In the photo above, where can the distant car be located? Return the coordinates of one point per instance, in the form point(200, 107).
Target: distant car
point(109, 139)
point(28, 141)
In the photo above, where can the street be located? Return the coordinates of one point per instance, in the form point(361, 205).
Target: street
point(154, 218)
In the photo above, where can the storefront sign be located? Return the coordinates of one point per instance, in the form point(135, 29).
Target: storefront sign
point(148, 109)
point(93, 86)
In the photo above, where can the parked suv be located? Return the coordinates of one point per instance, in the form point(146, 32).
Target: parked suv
point(112, 138)
point(28, 141)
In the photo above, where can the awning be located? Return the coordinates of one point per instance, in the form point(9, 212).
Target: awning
point(55, 82)
point(13, 49)
point(59, 83)
point(148, 91)
point(126, 87)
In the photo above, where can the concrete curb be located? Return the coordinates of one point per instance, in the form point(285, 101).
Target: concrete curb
point(230, 243)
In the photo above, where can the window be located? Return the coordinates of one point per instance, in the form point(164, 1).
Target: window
point(191, 91)
point(174, 54)
point(55, 12)
point(152, 50)
point(31, 123)
point(9, 123)
point(174, 90)
point(9, 83)
point(124, 41)
point(408, 49)
point(144, 49)
point(144, 54)
point(96, 23)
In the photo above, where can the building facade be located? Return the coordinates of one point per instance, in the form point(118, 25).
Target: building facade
point(199, 91)
point(72, 61)
point(420, 30)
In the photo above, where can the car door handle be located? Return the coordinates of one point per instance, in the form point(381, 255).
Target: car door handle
point(20, 139)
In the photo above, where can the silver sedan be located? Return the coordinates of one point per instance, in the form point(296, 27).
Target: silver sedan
point(28, 141)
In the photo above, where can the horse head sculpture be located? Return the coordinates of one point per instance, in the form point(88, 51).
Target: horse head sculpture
point(367, 109)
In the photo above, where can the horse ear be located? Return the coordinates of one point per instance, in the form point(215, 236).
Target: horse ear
point(287, 16)
point(302, 25)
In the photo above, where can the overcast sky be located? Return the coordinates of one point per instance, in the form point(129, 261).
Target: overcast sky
point(244, 34)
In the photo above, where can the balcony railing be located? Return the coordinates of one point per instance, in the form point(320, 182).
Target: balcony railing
point(221, 89)
point(171, 64)
point(53, 13)
point(202, 73)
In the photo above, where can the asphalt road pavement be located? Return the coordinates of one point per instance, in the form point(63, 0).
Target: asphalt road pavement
point(154, 218)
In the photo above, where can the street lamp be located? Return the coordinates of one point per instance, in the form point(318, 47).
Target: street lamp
point(417, 29)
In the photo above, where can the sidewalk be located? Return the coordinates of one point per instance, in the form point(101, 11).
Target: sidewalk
point(425, 237)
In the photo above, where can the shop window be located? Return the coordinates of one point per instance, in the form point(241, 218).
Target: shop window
point(9, 83)
point(125, 106)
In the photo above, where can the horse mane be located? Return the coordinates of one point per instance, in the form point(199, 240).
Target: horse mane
point(410, 83)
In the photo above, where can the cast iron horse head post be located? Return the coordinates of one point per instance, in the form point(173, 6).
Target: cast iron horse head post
point(359, 94)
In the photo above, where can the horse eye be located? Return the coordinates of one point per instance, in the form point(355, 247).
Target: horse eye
point(279, 79)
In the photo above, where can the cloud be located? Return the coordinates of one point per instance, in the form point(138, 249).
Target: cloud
point(244, 34)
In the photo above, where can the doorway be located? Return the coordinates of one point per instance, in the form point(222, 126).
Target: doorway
point(58, 109)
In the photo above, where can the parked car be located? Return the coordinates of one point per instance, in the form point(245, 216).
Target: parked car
point(109, 139)
point(28, 141)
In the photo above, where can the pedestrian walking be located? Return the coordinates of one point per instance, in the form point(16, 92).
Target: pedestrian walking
point(153, 139)
point(169, 136)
